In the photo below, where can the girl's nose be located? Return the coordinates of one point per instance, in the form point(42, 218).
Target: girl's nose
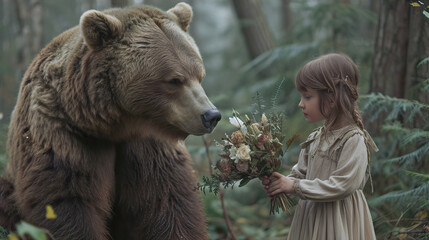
point(300, 105)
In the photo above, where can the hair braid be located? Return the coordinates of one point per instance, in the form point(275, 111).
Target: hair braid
point(357, 118)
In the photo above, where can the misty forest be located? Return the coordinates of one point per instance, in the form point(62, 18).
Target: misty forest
point(252, 50)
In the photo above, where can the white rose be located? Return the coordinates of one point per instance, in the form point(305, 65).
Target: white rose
point(233, 152)
point(243, 153)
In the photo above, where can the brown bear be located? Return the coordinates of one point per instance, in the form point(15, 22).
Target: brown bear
point(99, 126)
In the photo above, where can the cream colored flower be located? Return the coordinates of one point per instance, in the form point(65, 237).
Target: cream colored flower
point(247, 118)
point(243, 153)
point(264, 120)
point(233, 153)
point(236, 122)
point(255, 128)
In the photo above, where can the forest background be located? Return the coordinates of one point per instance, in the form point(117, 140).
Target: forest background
point(254, 48)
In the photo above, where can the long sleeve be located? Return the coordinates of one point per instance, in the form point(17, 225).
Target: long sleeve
point(344, 180)
point(299, 170)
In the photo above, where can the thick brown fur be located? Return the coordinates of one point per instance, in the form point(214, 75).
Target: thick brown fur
point(99, 126)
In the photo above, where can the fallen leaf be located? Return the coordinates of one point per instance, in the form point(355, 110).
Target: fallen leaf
point(50, 214)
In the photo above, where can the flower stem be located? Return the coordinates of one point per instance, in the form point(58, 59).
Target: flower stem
point(225, 213)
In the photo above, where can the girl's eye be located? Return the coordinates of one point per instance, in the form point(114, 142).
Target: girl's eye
point(175, 82)
point(307, 97)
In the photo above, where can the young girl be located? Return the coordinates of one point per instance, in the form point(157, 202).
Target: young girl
point(333, 165)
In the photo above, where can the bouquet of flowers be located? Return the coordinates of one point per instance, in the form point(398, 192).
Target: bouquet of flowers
point(254, 150)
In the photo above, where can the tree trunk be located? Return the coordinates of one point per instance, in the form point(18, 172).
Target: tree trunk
point(418, 49)
point(286, 16)
point(402, 41)
point(30, 31)
point(120, 3)
point(389, 69)
point(253, 26)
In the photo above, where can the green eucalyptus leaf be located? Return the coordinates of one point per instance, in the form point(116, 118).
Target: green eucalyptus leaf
point(245, 181)
point(25, 228)
point(426, 13)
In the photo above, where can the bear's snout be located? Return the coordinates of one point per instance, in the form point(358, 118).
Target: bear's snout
point(210, 118)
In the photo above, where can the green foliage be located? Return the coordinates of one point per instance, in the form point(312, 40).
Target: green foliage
point(248, 210)
point(403, 165)
point(24, 230)
point(422, 62)
point(312, 35)
point(282, 53)
point(318, 28)
point(378, 103)
point(254, 150)
point(274, 100)
point(36, 233)
point(417, 138)
point(3, 233)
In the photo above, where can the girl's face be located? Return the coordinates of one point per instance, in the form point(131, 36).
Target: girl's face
point(310, 105)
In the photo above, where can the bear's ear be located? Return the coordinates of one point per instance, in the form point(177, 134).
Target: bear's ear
point(98, 28)
point(182, 13)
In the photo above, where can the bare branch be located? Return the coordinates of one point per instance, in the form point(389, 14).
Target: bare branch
point(225, 213)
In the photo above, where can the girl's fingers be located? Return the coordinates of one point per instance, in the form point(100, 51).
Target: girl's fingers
point(275, 176)
point(265, 180)
point(271, 189)
point(275, 184)
point(275, 192)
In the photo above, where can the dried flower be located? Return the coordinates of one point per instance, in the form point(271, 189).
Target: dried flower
point(265, 137)
point(264, 120)
point(252, 151)
point(224, 166)
point(237, 138)
point(242, 166)
point(255, 128)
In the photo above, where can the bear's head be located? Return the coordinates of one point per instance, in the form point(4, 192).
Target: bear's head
point(154, 69)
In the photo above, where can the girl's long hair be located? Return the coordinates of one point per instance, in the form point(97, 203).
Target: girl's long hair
point(335, 77)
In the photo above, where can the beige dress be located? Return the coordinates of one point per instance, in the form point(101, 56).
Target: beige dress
point(329, 178)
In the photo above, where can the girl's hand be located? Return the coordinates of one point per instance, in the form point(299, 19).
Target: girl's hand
point(265, 180)
point(279, 183)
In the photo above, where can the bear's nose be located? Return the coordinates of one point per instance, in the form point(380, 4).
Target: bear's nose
point(210, 118)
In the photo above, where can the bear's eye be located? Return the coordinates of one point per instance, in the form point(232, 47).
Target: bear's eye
point(175, 82)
